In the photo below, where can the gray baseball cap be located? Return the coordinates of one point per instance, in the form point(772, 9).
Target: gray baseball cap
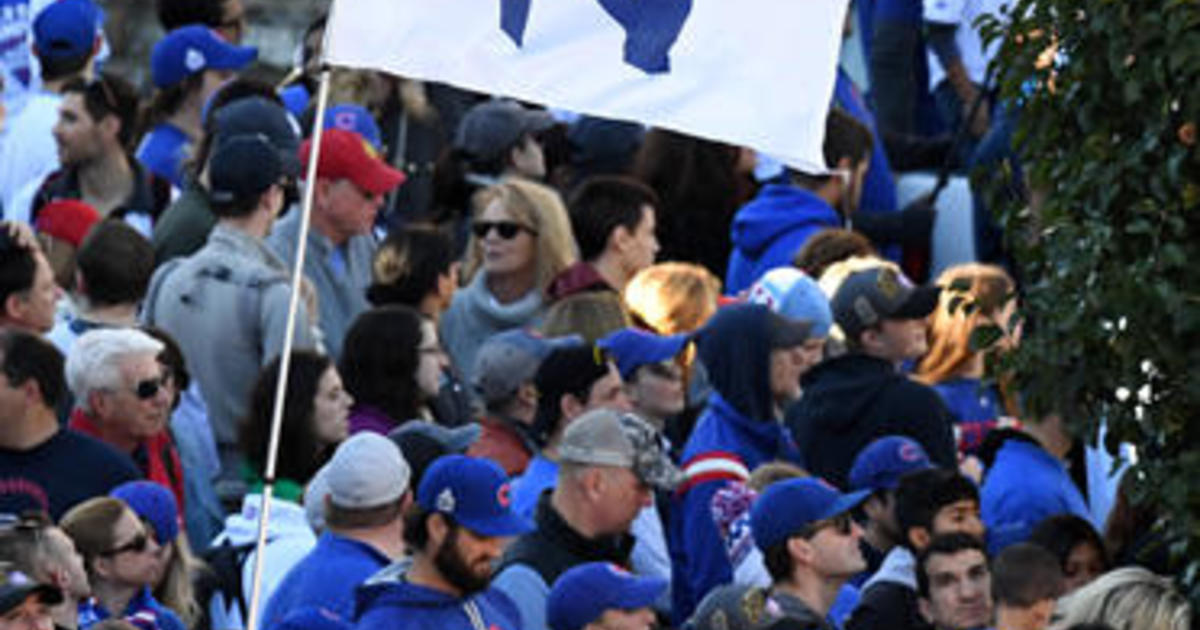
point(492, 127)
point(511, 358)
point(603, 437)
point(866, 298)
point(366, 471)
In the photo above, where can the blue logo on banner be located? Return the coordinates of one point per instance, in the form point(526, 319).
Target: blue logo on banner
point(651, 27)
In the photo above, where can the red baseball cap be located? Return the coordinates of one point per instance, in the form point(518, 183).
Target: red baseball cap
point(67, 219)
point(346, 155)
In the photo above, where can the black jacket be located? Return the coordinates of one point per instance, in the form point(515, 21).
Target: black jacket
point(851, 400)
point(554, 546)
point(887, 606)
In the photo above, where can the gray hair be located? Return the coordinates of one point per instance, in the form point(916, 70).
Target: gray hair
point(95, 360)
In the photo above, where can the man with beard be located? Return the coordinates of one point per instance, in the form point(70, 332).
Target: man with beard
point(458, 529)
point(878, 469)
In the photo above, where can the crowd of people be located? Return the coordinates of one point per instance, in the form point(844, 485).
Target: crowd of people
point(548, 371)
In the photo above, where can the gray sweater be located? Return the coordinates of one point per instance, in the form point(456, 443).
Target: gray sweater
point(475, 315)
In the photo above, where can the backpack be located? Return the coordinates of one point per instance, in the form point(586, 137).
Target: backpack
point(224, 577)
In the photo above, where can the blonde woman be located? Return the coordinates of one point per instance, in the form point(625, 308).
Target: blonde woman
point(520, 239)
point(1131, 598)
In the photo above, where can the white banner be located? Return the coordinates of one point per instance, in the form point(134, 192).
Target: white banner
point(756, 73)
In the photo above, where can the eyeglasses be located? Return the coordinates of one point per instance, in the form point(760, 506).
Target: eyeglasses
point(137, 545)
point(506, 229)
point(843, 524)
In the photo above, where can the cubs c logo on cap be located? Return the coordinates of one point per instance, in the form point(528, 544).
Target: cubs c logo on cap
point(908, 452)
point(503, 495)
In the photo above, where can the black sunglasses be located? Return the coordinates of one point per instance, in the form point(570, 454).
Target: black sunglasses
point(137, 545)
point(147, 389)
point(843, 524)
point(506, 229)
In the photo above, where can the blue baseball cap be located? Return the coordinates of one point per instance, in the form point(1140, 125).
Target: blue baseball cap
point(881, 464)
point(791, 293)
point(355, 118)
point(195, 48)
point(632, 348)
point(582, 594)
point(154, 503)
point(474, 492)
point(786, 507)
point(67, 28)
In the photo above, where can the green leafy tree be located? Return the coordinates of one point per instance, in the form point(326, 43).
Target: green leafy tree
point(1106, 240)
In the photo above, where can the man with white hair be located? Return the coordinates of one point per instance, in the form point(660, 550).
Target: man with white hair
point(122, 397)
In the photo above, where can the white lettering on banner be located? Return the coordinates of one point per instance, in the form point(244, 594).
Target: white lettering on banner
point(755, 73)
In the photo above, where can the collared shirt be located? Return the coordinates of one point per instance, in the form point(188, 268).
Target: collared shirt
point(341, 289)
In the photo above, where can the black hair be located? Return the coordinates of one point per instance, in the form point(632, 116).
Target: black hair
point(166, 101)
point(173, 14)
point(55, 68)
point(778, 561)
point(116, 263)
point(946, 544)
point(28, 356)
point(380, 357)
point(416, 526)
point(571, 370)
point(171, 356)
point(300, 454)
point(603, 203)
point(1025, 574)
point(1062, 533)
point(408, 264)
point(109, 95)
point(923, 493)
point(18, 267)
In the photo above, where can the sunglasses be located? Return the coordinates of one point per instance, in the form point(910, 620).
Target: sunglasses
point(843, 524)
point(506, 229)
point(137, 545)
point(147, 389)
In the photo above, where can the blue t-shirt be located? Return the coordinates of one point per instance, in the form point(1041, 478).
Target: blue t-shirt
point(976, 409)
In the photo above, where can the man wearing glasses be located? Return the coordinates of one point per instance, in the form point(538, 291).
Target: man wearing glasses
point(122, 398)
point(810, 545)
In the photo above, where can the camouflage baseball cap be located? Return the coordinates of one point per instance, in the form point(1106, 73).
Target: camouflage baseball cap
point(604, 437)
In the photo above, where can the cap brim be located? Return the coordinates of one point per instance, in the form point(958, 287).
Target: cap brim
point(920, 304)
point(502, 526)
point(639, 592)
point(12, 596)
point(845, 503)
point(791, 332)
point(536, 121)
point(379, 178)
point(234, 58)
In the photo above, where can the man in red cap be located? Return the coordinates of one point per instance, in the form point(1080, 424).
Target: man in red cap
point(351, 182)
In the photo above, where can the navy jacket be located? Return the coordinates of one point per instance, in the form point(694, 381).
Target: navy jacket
point(388, 601)
point(851, 400)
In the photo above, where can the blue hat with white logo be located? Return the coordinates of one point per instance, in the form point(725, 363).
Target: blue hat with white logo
point(582, 594)
point(195, 48)
point(474, 492)
point(881, 464)
point(633, 348)
point(786, 507)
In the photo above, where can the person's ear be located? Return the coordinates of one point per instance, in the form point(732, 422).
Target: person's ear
point(98, 403)
point(620, 239)
point(800, 549)
point(925, 608)
point(570, 406)
point(438, 529)
point(918, 537)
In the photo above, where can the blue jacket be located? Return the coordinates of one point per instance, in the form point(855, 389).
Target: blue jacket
point(737, 432)
point(879, 189)
point(325, 578)
point(768, 231)
point(389, 602)
point(163, 152)
point(1024, 486)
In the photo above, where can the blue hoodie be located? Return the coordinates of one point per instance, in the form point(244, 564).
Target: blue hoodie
point(768, 231)
point(737, 431)
point(388, 601)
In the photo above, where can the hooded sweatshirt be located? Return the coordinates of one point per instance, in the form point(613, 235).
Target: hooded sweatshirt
point(475, 314)
point(388, 601)
point(768, 231)
point(737, 431)
point(889, 598)
point(851, 400)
